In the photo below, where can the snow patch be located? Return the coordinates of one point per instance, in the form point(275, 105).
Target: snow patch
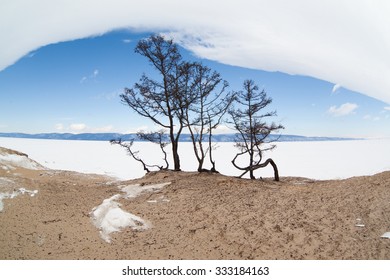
point(9, 161)
point(359, 223)
point(386, 235)
point(5, 167)
point(108, 217)
point(159, 199)
point(135, 190)
point(6, 182)
point(14, 194)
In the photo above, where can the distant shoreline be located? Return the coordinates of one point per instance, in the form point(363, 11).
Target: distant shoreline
point(183, 137)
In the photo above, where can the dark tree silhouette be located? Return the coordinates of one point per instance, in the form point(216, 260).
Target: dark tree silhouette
point(157, 137)
point(161, 100)
point(253, 131)
point(205, 106)
point(134, 154)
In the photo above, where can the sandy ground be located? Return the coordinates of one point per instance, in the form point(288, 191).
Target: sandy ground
point(197, 216)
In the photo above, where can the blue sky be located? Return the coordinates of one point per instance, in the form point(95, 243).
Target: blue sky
point(74, 86)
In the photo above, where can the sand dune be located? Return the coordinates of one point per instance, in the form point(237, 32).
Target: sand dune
point(195, 216)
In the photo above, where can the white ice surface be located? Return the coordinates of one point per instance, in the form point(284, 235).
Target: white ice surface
point(317, 160)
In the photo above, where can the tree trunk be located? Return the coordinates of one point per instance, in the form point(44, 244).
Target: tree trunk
point(276, 172)
point(200, 164)
point(251, 169)
point(269, 161)
point(251, 164)
point(175, 154)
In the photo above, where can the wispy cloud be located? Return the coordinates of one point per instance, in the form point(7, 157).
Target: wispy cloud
point(92, 76)
point(110, 95)
point(78, 127)
point(95, 73)
point(372, 118)
point(59, 127)
point(103, 129)
point(82, 128)
point(274, 41)
point(31, 54)
point(343, 110)
point(336, 87)
point(221, 129)
point(387, 108)
point(127, 41)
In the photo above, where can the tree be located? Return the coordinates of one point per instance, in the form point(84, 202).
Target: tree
point(160, 100)
point(156, 137)
point(253, 131)
point(134, 154)
point(205, 107)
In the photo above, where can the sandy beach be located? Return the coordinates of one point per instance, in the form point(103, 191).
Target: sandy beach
point(48, 214)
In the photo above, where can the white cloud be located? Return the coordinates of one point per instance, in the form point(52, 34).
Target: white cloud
point(127, 41)
point(344, 109)
point(92, 76)
point(103, 129)
point(82, 128)
point(78, 127)
point(387, 108)
point(371, 118)
point(145, 128)
point(110, 96)
point(31, 54)
point(95, 73)
point(367, 117)
point(340, 41)
point(336, 87)
point(59, 127)
point(222, 129)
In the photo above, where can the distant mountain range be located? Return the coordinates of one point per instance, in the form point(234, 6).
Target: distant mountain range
point(183, 137)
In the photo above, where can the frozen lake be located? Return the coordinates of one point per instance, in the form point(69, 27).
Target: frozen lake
point(317, 160)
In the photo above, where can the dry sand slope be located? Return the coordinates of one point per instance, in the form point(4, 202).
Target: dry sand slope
point(196, 216)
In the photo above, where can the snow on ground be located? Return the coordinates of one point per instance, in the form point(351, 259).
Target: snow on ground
point(135, 190)
point(316, 160)
point(108, 217)
point(14, 194)
point(6, 182)
point(8, 187)
point(10, 161)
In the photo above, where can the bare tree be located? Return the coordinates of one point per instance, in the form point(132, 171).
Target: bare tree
point(159, 100)
point(134, 154)
point(253, 131)
point(205, 107)
point(157, 137)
